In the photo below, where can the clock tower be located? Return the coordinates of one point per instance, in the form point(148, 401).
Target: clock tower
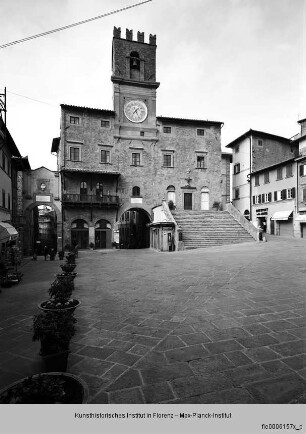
point(134, 80)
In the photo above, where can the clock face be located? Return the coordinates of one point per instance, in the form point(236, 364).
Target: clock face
point(135, 111)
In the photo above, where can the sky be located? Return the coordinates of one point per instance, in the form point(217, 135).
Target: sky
point(241, 62)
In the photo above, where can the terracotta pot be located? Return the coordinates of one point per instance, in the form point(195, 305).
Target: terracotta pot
point(76, 390)
point(69, 309)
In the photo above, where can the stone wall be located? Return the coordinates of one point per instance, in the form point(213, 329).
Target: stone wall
point(271, 152)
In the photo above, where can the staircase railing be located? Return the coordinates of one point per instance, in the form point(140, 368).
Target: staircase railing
point(248, 226)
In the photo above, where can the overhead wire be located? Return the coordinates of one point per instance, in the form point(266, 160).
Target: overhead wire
point(33, 99)
point(18, 41)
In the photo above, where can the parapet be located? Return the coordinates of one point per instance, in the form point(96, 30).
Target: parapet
point(129, 36)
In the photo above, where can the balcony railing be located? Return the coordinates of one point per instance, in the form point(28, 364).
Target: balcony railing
point(90, 199)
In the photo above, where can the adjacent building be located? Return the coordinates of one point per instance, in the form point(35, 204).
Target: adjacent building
point(274, 198)
point(252, 152)
point(11, 164)
point(117, 165)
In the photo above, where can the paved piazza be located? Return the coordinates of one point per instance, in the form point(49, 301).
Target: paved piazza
point(219, 325)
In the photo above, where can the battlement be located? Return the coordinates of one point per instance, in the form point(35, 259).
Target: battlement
point(129, 36)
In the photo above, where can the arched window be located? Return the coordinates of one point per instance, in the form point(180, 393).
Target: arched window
point(83, 187)
point(136, 191)
point(79, 224)
point(171, 194)
point(103, 224)
point(83, 190)
point(99, 189)
point(134, 65)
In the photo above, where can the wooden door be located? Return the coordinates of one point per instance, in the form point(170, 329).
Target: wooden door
point(187, 201)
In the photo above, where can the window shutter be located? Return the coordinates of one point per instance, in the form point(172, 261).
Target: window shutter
point(301, 170)
point(262, 198)
point(293, 192)
point(259, 198)
point(275, 195)
point(269, 197)
point(283, 195)
point(304, 194)
point(253, 200)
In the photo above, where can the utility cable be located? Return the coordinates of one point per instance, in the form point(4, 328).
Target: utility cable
point(73, 25)
point(32, 99)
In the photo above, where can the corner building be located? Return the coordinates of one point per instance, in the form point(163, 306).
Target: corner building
point(116, 165)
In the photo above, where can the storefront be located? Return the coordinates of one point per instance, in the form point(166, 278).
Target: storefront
point(283, 222)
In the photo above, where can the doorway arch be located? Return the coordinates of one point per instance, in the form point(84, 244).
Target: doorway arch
point(204, 198)
point(103, 234)
point(133, 230)
point(79, 233)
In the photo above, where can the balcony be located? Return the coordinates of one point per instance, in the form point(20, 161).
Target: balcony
point(90, 200)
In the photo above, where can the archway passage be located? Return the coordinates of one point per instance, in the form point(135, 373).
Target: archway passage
point(133, 230)
point(79, 234)
point(44, 228)
point(103, 234)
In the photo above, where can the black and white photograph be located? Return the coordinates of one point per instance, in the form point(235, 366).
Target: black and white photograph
point(152, 216)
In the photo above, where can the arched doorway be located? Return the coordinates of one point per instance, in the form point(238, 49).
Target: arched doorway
point(44, 230)
point(103, 234)
point(204, 199)
point(79, 233)
point(133, 230)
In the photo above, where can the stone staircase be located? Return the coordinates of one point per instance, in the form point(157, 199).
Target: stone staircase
point(210, 228)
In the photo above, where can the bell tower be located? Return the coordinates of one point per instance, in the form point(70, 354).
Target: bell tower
point(134, 82)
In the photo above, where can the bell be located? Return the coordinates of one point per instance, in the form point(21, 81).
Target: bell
point(134, 62)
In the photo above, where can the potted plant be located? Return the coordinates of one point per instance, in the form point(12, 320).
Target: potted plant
point(54, 330)
point(171, 205)
point(60, 297)
point(68, 277)
point(217, 206)
point(70, 258)
point(68, 268)
point(47, 388)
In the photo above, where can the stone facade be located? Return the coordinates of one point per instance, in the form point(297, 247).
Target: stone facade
point(110, 163)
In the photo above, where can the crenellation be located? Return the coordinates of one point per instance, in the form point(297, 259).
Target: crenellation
point(117, 32)
point(129, 35)
point(152, 39)
point(140, 36)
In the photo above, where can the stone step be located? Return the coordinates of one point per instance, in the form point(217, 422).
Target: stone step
point(210, 228)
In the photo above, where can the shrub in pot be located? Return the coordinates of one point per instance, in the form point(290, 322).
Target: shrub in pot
point(47, 388)
point(54, 330)
point(68, 268)
point(171, 205)
point(60, 297)
point(70, 258)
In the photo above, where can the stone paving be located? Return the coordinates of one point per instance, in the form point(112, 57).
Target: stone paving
point(219, 325)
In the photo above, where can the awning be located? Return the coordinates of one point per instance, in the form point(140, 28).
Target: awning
point(7, 232)
point(281, 215)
